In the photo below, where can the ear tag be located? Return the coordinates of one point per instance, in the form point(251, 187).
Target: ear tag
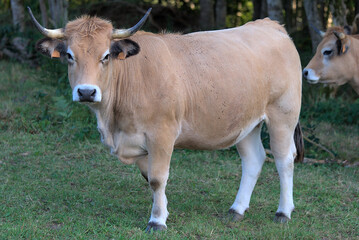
point(121, 56)
point(55, 54)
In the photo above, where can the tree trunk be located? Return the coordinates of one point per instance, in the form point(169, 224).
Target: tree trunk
point(257, 7)
point(43, 13)
point(314, 19)
point(17, 10)
point(295, 13)
point(339, 12)
point(58, 12)
point(260, 9)
point(264, 9)
point(206, 14)
point(221, 13)
point(356, 7)
point(275, 10)
point(288, 14)
point(355, 25)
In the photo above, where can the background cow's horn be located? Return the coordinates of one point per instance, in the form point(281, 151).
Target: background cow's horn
point(321, 33)
point(340, 36)
point(123, 33)
point(51, 33)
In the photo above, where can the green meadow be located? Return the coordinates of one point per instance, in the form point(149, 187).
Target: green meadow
point(57, 180)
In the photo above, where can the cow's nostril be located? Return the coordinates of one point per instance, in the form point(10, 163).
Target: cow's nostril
point(87, 94)
point(305, 73)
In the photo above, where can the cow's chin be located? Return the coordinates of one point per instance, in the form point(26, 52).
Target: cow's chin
point(333, 82)
point(91, 103)
point(312, 81)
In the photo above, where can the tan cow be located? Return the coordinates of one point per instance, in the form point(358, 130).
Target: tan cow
point(152, 93)
point(336, 60)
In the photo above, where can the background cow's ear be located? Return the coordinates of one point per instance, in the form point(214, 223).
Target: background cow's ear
point(124, 48)
point(53, 48)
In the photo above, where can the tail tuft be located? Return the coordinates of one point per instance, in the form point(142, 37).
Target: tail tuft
point(299, 144)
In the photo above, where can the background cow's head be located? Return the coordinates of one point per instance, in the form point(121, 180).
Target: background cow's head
point(88, 44)
point(331, 62)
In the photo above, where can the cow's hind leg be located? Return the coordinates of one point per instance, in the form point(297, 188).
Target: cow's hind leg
point(252, 154)
point(281, 131)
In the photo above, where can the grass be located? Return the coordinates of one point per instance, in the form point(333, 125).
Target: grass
point(341, 140)
point(57, 181)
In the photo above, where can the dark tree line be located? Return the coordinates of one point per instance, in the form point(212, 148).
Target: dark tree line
point(295, 14)
point(54, 11)
point(195, 14)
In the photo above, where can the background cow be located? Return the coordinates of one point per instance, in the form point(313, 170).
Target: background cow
point(336, 60)
point(152, 93)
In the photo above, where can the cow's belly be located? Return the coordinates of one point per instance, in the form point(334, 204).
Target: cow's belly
point(215, 138)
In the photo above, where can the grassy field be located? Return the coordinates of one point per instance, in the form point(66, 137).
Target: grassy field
point(57, 181)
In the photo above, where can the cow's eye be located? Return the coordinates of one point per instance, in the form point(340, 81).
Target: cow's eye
point(328, 52)
point(105, 59)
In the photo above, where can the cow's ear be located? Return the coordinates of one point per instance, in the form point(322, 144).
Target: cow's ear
point(342, 47)
point(342, 42)
point(123, 49)
point(53, 48)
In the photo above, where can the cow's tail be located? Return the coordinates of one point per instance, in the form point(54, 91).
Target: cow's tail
point(299, 143)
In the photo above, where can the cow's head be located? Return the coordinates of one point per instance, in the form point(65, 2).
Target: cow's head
point(88, 44)
point(331, 62)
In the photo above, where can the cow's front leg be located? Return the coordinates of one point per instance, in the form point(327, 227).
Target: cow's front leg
point(160, 148)
point(142, 164)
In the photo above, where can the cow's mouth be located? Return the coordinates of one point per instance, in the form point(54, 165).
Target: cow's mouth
point(312, 81)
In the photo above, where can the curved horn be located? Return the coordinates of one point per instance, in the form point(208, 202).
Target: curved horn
point(321, 33)
point(55, 33)
point(340, 36)
point(123, 33)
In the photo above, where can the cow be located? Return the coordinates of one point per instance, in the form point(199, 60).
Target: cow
point(153, 93)
point(335, 61)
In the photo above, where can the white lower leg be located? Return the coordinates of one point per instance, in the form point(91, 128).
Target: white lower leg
point(250, 174)
point(285, 169)
point(253, 155)
point(159, 211)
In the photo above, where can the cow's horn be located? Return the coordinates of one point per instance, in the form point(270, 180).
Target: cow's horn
point(340, 36)
point(51, 33)
point(123, 33)
point(321, 33)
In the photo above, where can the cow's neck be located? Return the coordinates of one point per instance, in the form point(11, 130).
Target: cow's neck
point(115, 112)
point(105, 125)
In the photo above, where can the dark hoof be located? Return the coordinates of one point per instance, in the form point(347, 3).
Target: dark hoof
point(281, 218)
point(234, 216)
point(154, 227)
